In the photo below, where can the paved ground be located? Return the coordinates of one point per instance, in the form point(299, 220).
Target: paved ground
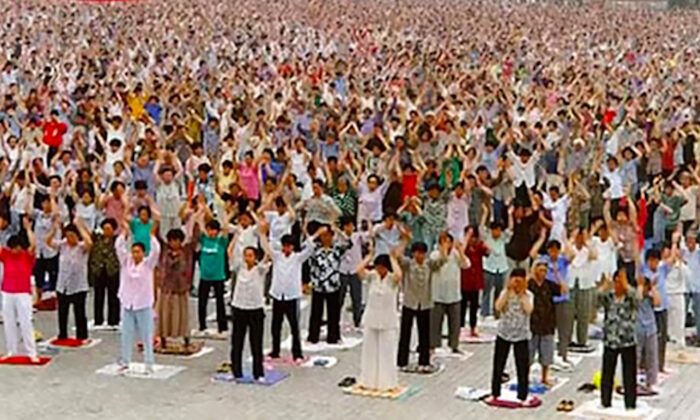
point(69, 389)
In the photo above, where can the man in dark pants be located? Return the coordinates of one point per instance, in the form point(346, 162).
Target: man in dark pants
point(212, 263)
point(104, 274)
point(348, 268)
point(285, 288)
point(325, 279)
point(417, 303)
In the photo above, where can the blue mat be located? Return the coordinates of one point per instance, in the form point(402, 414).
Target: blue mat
point(537, 389)
point(272, 377)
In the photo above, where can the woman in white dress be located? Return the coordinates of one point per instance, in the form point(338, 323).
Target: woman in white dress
point(381, 324)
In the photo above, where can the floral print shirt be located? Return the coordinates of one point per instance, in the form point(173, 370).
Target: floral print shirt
point(324, 265)
point(619, 327)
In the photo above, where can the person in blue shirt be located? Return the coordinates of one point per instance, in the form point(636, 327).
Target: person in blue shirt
point(647, 341)
point(557, 272)
point(656, 271)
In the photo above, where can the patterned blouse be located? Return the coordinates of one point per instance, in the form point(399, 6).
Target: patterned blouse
point(103, 258)
point(324, 265)
point(619, 327)
point(435, 212)
point(345, 202)
point(175, 269)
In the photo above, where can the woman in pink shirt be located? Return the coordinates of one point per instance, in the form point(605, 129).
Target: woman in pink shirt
point(249, 177)
point(136, 295)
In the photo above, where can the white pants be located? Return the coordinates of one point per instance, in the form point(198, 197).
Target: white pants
point(379, 348)
point(676, 319)
point(17, 315)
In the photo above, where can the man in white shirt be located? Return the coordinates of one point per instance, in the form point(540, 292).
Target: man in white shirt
point(558, 205)
point(582, 284)
point(611, 172)
point(285, 288)
point(348, 267)
point(523, 172)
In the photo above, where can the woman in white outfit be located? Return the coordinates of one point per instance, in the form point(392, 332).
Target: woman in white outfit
point(676, 280)
point(381, 324)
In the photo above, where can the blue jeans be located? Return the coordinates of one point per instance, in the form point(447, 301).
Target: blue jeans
point(493, 284)
point(140, 320)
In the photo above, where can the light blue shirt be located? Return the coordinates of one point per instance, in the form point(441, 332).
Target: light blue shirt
point(658, 276)
point(692, 258)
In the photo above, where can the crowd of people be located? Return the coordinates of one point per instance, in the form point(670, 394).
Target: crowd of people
point(506, 160)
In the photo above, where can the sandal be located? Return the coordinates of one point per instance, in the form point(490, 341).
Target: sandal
point(569, 406)
point(562, 406)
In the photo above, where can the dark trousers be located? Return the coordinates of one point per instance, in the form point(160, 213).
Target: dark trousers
point(522, 365)
point(629, 375)
point(630, 270)
point(662, 334)
point(109, 285)
point(470, 299)
point(289, 309)
point(244, 320)
point(352, 281)
point(422, 317)
point(64, 304)
point(203, 298)
point(332, 301)
point(43, 267)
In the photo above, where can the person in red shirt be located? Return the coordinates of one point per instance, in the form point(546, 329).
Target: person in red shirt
point(53, 134)
point(18, 263)
point(472, 277)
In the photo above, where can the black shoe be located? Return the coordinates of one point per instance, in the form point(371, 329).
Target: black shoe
point(347, 382)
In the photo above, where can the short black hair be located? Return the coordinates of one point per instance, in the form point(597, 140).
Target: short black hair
point(139, 245)
point(175, 234)
point(109, 221)
point(71, 228)
point(653, 253)
point(553, 244)
point(146, 208)
point(419, 247)
point(287, 240)
point(214, 224)
point(383, 260)
point(141, 185)
point(518, 272)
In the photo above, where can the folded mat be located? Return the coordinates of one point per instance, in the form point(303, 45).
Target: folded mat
point(400, 392)
point(210, 334)
point(179, 349)
point(74, 343)
point(592, 410)
point(537, 388)
point(683, 356)
point(471, 394)
point(435, 369)
point(24, 361)
point(138, 370)
point(513, 403)
point(641, 391)
point(272, 377)
point(482, 338)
